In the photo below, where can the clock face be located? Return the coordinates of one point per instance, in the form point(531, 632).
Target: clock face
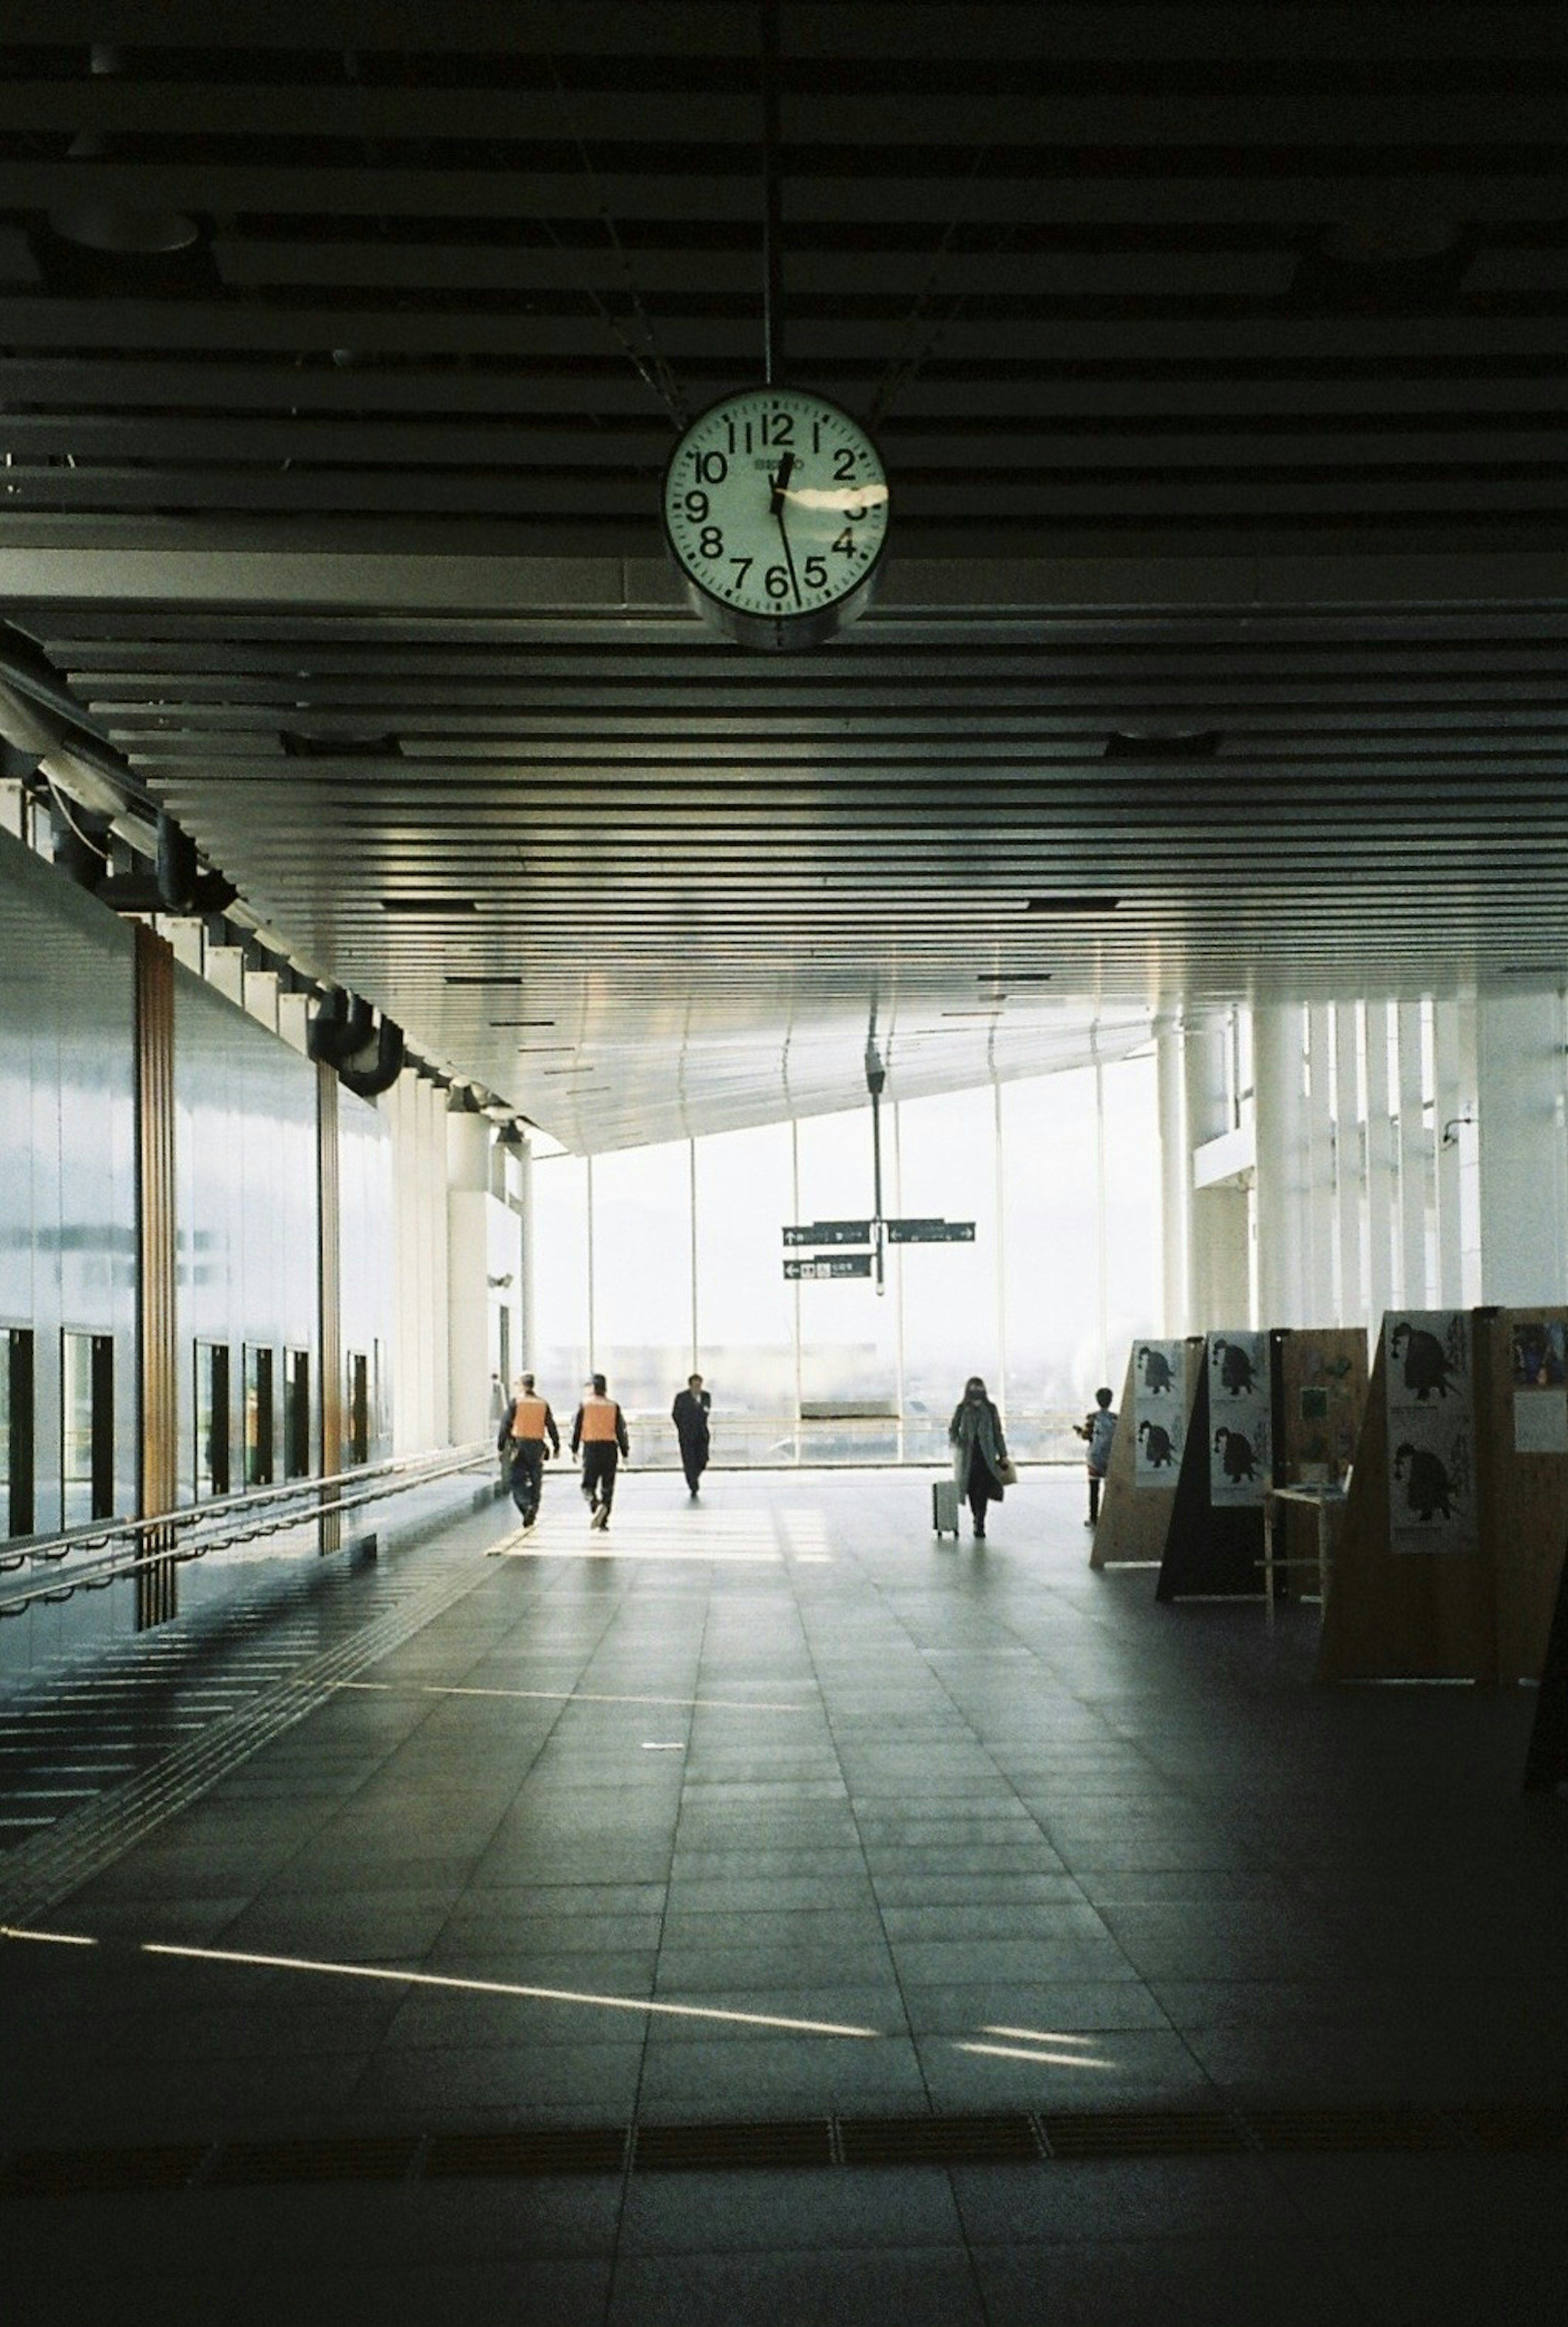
point(776, 511)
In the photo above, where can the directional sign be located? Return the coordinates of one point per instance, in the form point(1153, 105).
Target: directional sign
point(838, 1264)
point(930, 1232)
point(829, 1232)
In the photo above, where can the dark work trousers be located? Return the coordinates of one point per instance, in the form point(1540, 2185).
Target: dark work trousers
point(693, 1459)
point(528, 1476)
point(599, 1457)
point(1096, 1478)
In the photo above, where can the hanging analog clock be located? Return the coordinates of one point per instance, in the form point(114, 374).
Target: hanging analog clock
point(775, 513)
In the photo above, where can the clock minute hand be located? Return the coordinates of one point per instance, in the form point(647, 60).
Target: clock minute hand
point(781, 483)
point(780, 488)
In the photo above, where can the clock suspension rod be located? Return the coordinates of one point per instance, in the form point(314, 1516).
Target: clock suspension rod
point(772, 209)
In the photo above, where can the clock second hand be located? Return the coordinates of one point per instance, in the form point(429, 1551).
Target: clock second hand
point(780, 483)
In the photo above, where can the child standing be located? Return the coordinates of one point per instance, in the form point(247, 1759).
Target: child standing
point(1099, 1428)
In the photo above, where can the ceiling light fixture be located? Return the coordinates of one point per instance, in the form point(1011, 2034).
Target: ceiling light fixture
point(429, 908)
point(1071, 904)
point(102, 221)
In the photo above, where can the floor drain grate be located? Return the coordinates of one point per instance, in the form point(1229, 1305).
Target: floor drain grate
point(1353, 2130)
point(938, 2140)
point(1512, 2130)
point(587, 2149)
point(1141, 2133)
point(720, 2148)
point(51, 2172)
point(243, 2163)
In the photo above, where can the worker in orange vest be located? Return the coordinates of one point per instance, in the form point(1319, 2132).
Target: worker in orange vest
point(599, 1429)
point(525, 1426)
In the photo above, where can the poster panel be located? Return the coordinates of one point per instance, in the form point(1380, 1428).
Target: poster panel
point(1540, 1377)
point(1240, 1458)
point(1159, 1412)
point(1431, 1495)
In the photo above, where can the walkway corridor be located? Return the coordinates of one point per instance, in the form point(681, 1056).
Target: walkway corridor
point(765, 1911)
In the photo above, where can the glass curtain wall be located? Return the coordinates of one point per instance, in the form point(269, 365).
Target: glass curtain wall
point(656, 1262)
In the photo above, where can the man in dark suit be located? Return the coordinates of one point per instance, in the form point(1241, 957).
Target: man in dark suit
point(689, 1415)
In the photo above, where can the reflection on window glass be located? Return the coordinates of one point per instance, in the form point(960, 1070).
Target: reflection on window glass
point(357, 1417)
point(213, 1473)
point(86, 1427)
point(16, 1424)
point(259, 1417)
point(296, 1414)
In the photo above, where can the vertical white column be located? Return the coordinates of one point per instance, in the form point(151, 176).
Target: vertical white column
point(1102, 1227)
point(530, 1316)
point(1382, 1188)
point(1454, 1137)
point(1523, 1172)
point(1175, 1178)
point(468, 1138)
point(1219, 1265)
point(588, 1247)
point(1349, 1177)
point(1415, 1285)
point(415, 1110)
point(1322, 1169)
point(1278, 1037)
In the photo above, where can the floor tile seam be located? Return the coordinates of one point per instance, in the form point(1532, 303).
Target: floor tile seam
point(642, 2058)
point(1000, 1774)
point(38, 1876)
point(908, 2031)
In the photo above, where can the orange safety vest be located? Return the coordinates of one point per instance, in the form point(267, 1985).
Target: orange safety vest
point(599, 1420)
point(529, 1417)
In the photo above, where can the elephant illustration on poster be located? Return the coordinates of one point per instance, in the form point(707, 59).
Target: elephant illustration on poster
point(1427, 1364)
point(1236, 1369)
point(1428, 1488)
point(1234, 1449)
point(1158, 1452)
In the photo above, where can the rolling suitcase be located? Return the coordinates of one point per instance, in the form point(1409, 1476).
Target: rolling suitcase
point(944, 1507)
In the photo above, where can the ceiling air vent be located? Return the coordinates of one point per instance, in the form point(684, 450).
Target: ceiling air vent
point(1188, 743)
point(300, 745)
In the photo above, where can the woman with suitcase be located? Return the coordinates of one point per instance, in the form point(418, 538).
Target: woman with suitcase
point(980, 1460)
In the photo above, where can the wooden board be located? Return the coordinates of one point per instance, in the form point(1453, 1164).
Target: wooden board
point(1320, 1399)
point(1134, 1520)
point(1524, 1495)
point(1211, 1552)
point(1546, 1764)
point(1401, 1615)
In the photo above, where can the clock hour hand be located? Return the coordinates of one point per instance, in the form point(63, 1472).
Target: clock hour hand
point(780, 488)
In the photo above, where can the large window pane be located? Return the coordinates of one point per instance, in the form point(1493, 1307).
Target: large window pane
point(1133, 1246)
point(1063, 1271)
point(1051, 1194)
point(642, 1286)
point(558, 1243)
point(745, 1310)
point(849, 1361)
point(945, 1170)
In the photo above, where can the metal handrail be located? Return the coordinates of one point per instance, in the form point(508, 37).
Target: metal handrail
point(257, 1509)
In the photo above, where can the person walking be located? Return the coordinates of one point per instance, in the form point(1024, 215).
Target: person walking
point(980, 1458)
point(1099, 1428)
point(690, 1414)
point(599, 1430)
point(525, 1426)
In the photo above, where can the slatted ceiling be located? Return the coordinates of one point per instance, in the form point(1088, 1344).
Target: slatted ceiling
point(1081, 265)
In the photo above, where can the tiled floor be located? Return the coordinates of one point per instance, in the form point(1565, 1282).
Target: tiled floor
point(775, 1809)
